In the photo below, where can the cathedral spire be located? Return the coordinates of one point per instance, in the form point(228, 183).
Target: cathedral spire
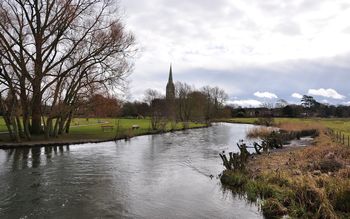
point(170, 87)
point(170, 74)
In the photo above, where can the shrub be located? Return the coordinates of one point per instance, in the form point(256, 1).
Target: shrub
point(272, 208)
point(259, 132)
point(329, 165)
point(234, 179)
point(342, 201)
point(265, 121)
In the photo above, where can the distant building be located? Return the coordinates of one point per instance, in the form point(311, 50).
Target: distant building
point(166, 108)
point(170, 87)
point(170, 96)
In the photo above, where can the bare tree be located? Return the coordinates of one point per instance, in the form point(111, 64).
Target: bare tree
point(55, 50)
point(157, 108)
point(150, 95)
point(216, 98)
point(184, 101)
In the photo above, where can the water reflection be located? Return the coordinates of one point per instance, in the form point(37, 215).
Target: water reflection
point(159, 176)
point(22, 158)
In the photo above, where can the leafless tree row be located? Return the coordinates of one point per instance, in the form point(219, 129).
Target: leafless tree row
point(191, 104)
point(52, 54)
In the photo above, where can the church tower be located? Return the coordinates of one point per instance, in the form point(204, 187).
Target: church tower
point(170, 97)
point(170, 87)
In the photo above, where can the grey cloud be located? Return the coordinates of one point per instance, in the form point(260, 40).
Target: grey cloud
point(288, 27)
point(347, 30)
point(166, 27)
point(300, 77)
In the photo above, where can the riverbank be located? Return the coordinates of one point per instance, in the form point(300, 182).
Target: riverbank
point(302, 182)
point(336, 124)
point(90, 131)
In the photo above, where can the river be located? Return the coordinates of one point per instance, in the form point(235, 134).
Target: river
point(156, 176)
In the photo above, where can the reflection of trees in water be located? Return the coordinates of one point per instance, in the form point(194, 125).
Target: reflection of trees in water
point(23, 158)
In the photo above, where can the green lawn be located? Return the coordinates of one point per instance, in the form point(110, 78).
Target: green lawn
point(3, 127)
point(82, 128)
point(337, 124)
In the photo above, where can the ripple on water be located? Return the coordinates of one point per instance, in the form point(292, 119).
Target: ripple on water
point(160, 176)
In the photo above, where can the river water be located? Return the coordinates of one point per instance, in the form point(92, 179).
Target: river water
point(159, 176)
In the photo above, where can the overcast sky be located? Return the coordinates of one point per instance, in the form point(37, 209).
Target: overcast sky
point(256, 50)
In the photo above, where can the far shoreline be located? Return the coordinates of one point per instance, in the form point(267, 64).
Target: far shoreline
point(53, 143)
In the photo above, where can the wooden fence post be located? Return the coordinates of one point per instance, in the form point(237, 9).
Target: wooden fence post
point(343, 138)
point(338, 136)
point(348, 141)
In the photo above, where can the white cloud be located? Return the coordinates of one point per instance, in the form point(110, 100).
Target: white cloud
point(297, 95)
point(329, 93)
point(245, 103)
point(346, 103)
point(265, 95)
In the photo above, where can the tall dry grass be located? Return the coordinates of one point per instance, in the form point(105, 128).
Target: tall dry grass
point(324, 194)
point(259, 132)
point(293, 126)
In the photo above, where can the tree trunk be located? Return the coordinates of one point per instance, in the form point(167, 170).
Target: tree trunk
point(36, 110)
point(55, 130)
point(68, 122)
point(48, 128)
point(61, 125)
point(20, 129)
point(15, 130)
point(26, 126)
point(9, 126)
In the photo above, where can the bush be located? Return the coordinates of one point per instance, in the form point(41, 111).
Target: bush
point(259, 132)
point(342, 201)
point(272, 208)
point(234, 179)
point(265, 121)
point(329, 165)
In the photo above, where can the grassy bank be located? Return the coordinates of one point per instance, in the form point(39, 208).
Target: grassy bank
point(302, 182)
point(91, 129)
point(337, 124)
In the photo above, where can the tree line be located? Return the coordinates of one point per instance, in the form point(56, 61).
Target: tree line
point(53, 55)
point(308, 107)
point(191, 104)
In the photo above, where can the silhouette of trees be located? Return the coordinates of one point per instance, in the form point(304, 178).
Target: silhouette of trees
point(308, 101)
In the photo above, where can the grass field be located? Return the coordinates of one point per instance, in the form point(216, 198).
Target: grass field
point(336, 124)
point(82, 128)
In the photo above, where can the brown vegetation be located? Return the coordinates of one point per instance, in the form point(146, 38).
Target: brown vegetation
point(259, 132)
point(307, 182)
point(320, 171)
point(293, 126)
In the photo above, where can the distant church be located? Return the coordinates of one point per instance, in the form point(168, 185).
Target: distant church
point(170, 87)
point(166, 108)
point(170, 96)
